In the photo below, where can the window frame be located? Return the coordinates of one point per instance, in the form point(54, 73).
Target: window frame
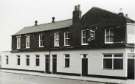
point(67, 38)
point(40, 40)
point(27, 60)
point(109, 34)
point(18, 60)
point(37, 61)
point(27, 41)
point(7, 59)
point(83, 37)
point(56, 39)
point(18, 45)
point(67, 60)
point(113, 58)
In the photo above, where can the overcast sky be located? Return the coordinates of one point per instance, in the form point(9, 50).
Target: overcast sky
point(15, 14)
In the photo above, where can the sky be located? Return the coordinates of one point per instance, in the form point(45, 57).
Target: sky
point(16, 14)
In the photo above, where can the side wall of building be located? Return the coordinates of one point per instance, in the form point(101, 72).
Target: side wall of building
point(130, 33)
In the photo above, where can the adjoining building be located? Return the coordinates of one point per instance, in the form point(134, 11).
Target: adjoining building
point(98, 44)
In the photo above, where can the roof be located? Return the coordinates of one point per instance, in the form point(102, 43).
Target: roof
point(94, 16)
point(101, 16)
point(46, 26)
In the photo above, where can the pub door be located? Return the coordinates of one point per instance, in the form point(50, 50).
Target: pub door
point(84, 66)
point(47, 63)
point(131, 68)
point(54, 63)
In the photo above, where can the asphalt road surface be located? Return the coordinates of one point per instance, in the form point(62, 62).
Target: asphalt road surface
point(12, 78)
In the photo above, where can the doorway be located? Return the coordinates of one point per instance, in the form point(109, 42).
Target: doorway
point(54, 64)
point(84, 65)
point(131, 69)
point(47, 63)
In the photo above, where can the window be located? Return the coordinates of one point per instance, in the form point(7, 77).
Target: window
point(56, 39)
point(87, 36)
point(118, 61)
point(41, 42)
point(84, 38)
point(27, 60)
point(37, 60)
point(109, 36)
point(7, 59)
point(91, 35)
point(18, 42)
point(67, 60)
point(18, 60)
point(113, 61)
point(66, 38)
point(27, 41)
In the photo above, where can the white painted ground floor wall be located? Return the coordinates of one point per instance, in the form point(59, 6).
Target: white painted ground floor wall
point(95, 61)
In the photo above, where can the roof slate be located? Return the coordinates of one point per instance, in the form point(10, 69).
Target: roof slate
point(45, 27)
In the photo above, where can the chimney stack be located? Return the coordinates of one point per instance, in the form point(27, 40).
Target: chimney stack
point(53, 19)
point(76, 14)
point(36, 22)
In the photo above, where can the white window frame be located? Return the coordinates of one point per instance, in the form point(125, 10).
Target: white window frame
point(56, 39)
point(83, 37)
point(18, 58)
point(67, 57)
point(37, 58)
point(18, 42)
point(27, 41)
point(66, 39)
point(7, 59)
point(113, 58)
point(106, 38)
point(41, 40)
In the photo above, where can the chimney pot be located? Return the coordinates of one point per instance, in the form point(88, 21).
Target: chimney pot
point(36, 22)
point(78, 7)
point(53, 19)
point(126, 15)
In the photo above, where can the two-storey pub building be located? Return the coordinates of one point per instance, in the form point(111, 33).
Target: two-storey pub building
point(97, 44)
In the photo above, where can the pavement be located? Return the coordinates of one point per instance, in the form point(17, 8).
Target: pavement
point(91, 79)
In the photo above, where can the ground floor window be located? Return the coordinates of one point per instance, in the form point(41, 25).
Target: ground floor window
point(113, 61)
point(7, 59)
point(18, 60)
point(67, 60)
point(27, 60)
point(37, 60)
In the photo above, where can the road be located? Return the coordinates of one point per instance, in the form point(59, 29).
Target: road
point(12, 78)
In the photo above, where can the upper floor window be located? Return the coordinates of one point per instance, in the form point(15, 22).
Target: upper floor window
point(83, 37)
point(56, 39)
point(18, 42)
point(113, 61)
point(66, 38)
point(27, 41)
point(41, 42)
point(109, 36)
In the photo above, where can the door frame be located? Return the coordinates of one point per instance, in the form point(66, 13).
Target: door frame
point(128, 74)
point(54, 63)
point(47, 63)
point(84, 65)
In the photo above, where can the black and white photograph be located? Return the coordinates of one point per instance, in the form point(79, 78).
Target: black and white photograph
point(67, 42)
